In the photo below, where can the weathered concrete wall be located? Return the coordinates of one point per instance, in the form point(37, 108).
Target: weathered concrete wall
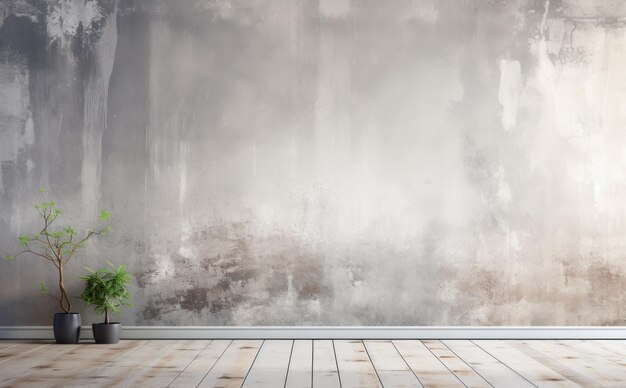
point(334, 162)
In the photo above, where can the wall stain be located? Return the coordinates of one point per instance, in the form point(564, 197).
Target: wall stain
point(295, 163)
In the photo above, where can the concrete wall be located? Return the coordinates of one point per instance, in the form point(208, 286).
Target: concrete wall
point(331, 162)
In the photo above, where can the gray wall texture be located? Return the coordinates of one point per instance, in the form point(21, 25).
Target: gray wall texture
point(323, 162)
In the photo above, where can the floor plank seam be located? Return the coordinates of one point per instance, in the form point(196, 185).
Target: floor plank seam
point(243, 382)
point(289, 364)
point(468, 364)
point(500, 361)
point(460, 360)
point(372, 363)
point(407, 364)
point(444, 364)
point(189, 363)
point(215, 363)
point(163, 351)
point(337, 364)
point(312, 361)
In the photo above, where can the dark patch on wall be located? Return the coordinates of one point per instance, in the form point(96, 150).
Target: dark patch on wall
point(21, 36)
point(194, 299)
point(310, 278)
point(151, 312)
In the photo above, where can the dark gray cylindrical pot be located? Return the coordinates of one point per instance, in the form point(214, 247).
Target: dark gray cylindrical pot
point(107, 333)
point(66, 327)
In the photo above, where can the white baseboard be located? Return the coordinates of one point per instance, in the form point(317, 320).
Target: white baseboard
point(336, 332)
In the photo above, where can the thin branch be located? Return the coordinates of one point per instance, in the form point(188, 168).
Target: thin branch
point(28, 250)
point(64, 243)
point(38, 239)
point(78, 244)
point(50, 244)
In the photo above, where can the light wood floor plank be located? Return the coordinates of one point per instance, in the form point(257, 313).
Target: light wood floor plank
point(354, 365)
point(492, 370)
point(101, 358)
point(300, 373)
point(93, 376)
point(456, 365)
point(392, 370)
point(231, 369)
point(4, 344)
point(587, 349)
point(162, 371)
point(534, 371)
point(559, 367)
point(325, 372)
point(581, 365)
point(73, 365)
point(126, 364)
point(611, 346)
point(430, 371)
point(10, 352)
point(270, 367)
point(193, 374)
point(36, 359)
point(286, 363)
point(609, 369)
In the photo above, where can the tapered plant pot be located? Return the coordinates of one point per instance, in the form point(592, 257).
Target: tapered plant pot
point(66, 327)
point(107, 333)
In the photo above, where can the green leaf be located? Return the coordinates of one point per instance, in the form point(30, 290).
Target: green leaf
point(57, 234)
point(42, 190)
point(105, 215)
point(70, 231)
point(9, 257)
point(105, 289)
point(43, 288)
point(24, 240)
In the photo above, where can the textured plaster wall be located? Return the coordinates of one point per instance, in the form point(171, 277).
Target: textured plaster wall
point(331, 162)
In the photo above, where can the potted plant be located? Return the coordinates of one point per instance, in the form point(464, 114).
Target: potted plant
point(59, 246)
point(106, 291)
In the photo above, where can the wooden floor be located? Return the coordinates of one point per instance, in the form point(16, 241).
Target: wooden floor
point(318, 363)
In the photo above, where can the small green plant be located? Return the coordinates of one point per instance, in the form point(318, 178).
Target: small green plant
point(106, 289)
point(58, 245)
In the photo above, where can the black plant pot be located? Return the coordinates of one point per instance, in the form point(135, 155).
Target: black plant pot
point(66, 328)
point(107, 333)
